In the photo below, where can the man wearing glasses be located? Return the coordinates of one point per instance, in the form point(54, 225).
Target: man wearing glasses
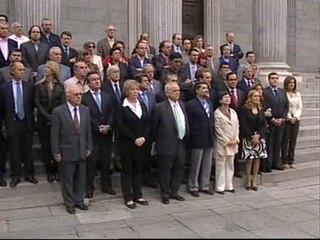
point(104, 45)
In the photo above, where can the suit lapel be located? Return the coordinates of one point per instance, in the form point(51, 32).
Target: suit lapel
point(168, 109)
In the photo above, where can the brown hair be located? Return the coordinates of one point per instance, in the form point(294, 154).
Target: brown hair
point(286, 83)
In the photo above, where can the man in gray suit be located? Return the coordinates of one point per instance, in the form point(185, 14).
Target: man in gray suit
point(104, 45)
point(71, 143)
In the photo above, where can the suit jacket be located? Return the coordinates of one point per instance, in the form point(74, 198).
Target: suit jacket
point(232, 62)
point(279, 104)
point(103, 47)
point(65, 72)
point(12, 44)
point(237, 52)
point(151, 101)
point(226, 130)
point(159, 62)
point(73, 53)
point(157, 86)
point(152, 50)
point(250, 126)
point(130, 127)
point(173, 48)
point(53, 40)
point(108, 88)
point(164, 128)
point(240, 96)
point(65, 139)
point(6, 76)
point(8, 105)
point(135, 66)
point(124, 72)
point(103, 117)
point(32, 57)
point(201, 126)
point(44, 104)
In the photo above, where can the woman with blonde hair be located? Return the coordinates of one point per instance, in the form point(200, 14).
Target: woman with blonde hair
point(253, 132)
point(292, 122)
point(133, 125)
point(49, 93)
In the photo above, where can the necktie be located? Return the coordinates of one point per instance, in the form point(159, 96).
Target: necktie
point(66, 50)
point(275, 92)
point(206, 107)
point(249, 83)
point(234, 97)
point(117, 92)
point(193, 72)
point(20, 108)
point(179, 121)
point(145, 100)
point(97, 99)
point(76, 119)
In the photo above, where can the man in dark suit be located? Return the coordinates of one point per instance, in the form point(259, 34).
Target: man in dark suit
point(17, 103)
point(3, 156)
point(247, 81)
point(236, 51)
point(161, 61)
point(71, 142)
point(15, 55)
point(7, 43)
point(200, 117)
point(170, 130)
point(226, 58)
point(47, 35)
point(101, 110)
point(70, 54)
point(34, 52)
point(177, 43)
point(155, 84)
point(276, 100)
point(151, 50)
point(139, 60)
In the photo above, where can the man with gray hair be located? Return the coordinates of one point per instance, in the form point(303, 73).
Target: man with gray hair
point(47, 35)
point(155, 85)
point(79, 79)
point(55, 55)
point(113, 86)
point(71, 146)
point(104, 45)
point(17, 35)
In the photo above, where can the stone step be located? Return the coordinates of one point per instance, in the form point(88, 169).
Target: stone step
point(311, 104)
point(308, 142)
point(310, 111)
point(310, 96)
point(303, 169)
point(309, 121)
point(306, 131)
point(307, 155)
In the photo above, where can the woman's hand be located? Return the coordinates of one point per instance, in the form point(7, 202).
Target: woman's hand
point(139, 141)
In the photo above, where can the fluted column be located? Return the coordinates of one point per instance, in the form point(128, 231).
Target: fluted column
point(161, 19)
point(134, 23)
point(213, 23)
point(270, 35)
point(30, 12)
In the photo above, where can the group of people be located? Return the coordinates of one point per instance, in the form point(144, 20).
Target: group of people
point(181, 110)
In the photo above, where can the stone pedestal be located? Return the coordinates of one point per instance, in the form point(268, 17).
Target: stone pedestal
point(161, 19)
point(270, 37)
point(31, 12)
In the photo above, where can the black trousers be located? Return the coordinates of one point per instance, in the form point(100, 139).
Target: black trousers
point(46, 153)
point(2, 157)
point(289, 141)
point(20, 150)
point(100, 156)
point(171, 170)
point(131, 173)
point(274, 142)
point(72, 181)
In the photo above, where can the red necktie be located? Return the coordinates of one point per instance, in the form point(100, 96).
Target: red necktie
point(234, 97)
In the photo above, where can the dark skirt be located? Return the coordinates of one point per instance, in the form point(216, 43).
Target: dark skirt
point(250, 151)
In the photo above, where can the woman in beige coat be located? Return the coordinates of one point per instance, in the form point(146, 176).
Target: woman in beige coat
point(226, 145)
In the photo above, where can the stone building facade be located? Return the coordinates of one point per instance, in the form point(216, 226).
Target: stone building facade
point(283, 33)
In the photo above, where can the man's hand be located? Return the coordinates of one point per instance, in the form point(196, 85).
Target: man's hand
point(58, 158)
point(139, 141)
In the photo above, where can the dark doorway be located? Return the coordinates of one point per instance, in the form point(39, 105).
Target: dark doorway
point(192, 18)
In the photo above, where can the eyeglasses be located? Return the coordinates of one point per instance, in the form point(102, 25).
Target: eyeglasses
point(91, 46)
point(112, 30)
point(77, 94)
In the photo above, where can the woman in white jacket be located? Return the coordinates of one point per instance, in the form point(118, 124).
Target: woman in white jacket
point(226, 145)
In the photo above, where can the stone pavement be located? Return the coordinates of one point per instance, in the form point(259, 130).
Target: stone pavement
point(287, 209)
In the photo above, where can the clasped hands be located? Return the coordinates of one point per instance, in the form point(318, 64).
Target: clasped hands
point(139, 141)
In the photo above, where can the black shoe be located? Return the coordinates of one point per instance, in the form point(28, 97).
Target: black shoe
point(50, 177)
point(3, 183)
point(57, 177)
point(238, 175)
point(268, 170)
point(209, 192)
point(165, 200)
point(194, 193)
point(89, 195)
point(31, 179)
point(82, 206)
point(177, 197)
point(281, 168)
point(220, 192)
point(131, 204)
point(70, 210)
point(14, 182)
point(231, 191)
point(109, 191)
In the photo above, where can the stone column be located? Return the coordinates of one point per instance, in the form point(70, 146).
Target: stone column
point(213, 24)
point(134, 23)
point(161, 19)
point(270, 36)
point(31, 12)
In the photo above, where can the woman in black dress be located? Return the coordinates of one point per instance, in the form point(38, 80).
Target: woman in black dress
point(253, 137)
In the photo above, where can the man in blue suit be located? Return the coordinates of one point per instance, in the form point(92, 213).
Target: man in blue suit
point(139, 60)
